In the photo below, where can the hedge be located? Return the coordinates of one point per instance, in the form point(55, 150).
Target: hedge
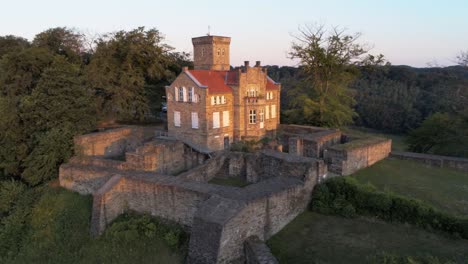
point(346, 197)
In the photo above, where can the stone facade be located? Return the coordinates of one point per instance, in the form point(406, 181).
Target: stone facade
point(212, 106)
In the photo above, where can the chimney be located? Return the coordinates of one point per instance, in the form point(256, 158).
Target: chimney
point(257, 64)
point(185, 68)
point(246, 64)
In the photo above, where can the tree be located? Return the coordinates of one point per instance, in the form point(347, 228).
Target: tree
point(462, 58)
point(436, 131)
point(12, 43)
point(62, 41)
point(121, 66)
point(326, 59)
point(60, 108)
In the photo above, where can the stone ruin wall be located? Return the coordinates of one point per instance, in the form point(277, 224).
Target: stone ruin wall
point(433, 160)
point(220, 217)
point(113, 143)
point(348, 158)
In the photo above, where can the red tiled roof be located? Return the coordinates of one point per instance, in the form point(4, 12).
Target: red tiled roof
point(214, 80)
point(271, 85)
point(219, 81)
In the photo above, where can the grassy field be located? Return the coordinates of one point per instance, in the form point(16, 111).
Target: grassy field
point(316, 238)
point(398, 141)
point(446, 189)
point(230, 181)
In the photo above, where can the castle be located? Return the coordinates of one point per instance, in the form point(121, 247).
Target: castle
point(213, 105)
point(169, 174)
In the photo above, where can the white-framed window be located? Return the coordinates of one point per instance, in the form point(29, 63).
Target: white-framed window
point(215, 119)
point(273, 111)
point(218, 100)
point(191, 96)
point(267, 111)
point(219, 52)
point(213, 102)
point(225, 118)
point(223, 99)
point(194, 120)
point(177, 118)
point(269, 95)
point(252, 92)
point(252, 117)
point(261, 114)
point(181, 94)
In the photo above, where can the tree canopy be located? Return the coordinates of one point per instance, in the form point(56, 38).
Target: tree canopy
point(327, 59)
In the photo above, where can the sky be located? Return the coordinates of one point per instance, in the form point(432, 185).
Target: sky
point(409, 32)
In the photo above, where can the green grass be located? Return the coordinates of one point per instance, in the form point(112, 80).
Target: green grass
point(230, 181)
point(398, 141)
point(52, 226)
point(445, 189)
point(316, 238)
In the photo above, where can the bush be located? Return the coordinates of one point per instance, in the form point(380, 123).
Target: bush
point(346, 197)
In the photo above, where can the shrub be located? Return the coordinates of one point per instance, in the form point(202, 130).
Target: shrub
point(346, 197)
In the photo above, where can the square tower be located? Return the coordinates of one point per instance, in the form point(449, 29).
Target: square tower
point(211, 53)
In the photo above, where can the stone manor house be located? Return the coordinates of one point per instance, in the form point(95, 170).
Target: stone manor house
point(212, 105)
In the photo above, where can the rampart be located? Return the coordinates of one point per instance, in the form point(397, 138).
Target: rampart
point(345, 159)
point(433, 160)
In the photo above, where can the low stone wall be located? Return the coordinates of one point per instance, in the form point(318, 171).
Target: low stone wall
point(350, 157)
point(433, 160)
point(257, 252)
point(114, 142)
point(308, 141)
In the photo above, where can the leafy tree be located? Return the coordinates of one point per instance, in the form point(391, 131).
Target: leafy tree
point(121, 66)
point(326, 59)
point(12, 43)
point(435, 131)
point(62, 41)
point(60, 107)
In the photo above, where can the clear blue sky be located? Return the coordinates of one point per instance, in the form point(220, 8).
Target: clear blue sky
point(410, 32)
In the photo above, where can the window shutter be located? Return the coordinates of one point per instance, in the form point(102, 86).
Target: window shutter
point(273, 111)
point(194, 120)
point(177, 119)
point(185, 94)
point(212, 100)
point(267, 111)
point(176, 94)
point(216, 120)
point(225, 118)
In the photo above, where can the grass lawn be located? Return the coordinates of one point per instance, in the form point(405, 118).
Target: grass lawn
point(316, 238)
point(398, 141)
point(446, 189)
point(230, 181)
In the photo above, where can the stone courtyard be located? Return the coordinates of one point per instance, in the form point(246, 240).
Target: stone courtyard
point(140, 169)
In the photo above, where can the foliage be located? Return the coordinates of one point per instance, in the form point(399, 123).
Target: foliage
point(339, 195)
point(462, 58)
point(326, 59)
point(38, 128)
point(62, 41)
point(120, 68)
point(50, 225)
point(12, 44)
point(436, 131)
